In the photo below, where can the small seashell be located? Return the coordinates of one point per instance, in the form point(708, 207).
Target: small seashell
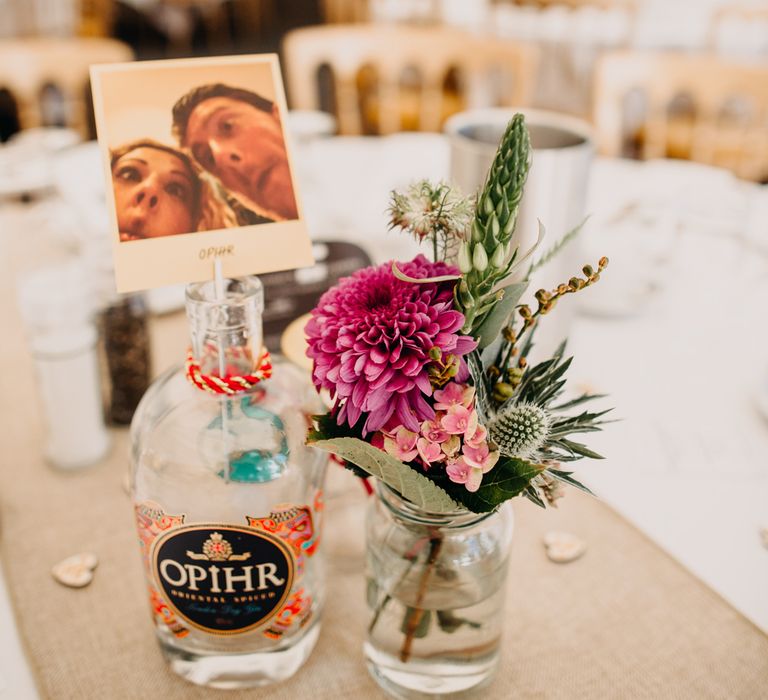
point(563, 547)
point(76, 571)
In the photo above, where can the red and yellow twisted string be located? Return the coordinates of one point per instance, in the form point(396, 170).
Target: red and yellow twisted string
point(230, 384)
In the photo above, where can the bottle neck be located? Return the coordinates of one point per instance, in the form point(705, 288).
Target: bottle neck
point(226, 330)
point(407, 511)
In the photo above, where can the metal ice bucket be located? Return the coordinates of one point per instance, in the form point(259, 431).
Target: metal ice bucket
point(555, 192)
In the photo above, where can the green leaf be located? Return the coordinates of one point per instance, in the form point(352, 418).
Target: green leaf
point(577, 401)
point(450, 623)
point(509, 478)
point(568, 479)
point(421, 280)
point(491, 354)
point(411, 485)
point(497, 318)
point(533, 496)
point(553, 454)
point(483, 401)
point(583, 418)
point(372, 593)
point(423, 625)
point(326, 428)
point(579, 449)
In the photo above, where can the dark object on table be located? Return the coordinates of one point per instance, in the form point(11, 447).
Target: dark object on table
point(126, 346)
point(291, 293)
point(9, 115)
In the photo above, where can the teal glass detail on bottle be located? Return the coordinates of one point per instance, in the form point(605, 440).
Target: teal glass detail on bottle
point(256, 465)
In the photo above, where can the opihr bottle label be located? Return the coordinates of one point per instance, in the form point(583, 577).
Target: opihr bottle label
point(226, 579)
point(222, 579)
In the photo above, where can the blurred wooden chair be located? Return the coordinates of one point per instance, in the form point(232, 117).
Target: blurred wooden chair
point(697, 107)
point(96, 18)
point(49, 80)
point(387, 78)
point(342, 11)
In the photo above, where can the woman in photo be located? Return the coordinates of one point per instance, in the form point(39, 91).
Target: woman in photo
point(159, 192)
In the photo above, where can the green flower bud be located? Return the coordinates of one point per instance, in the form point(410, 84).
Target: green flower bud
point(479, 258)
point(498, 259)
point(515, 375)
point(503, 391)
point(464, 261)
point(495, 228)
point(477, 232)
point(435, 353)
point(465, 297)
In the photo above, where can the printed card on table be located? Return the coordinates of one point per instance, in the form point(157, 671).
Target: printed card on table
point(198, 167)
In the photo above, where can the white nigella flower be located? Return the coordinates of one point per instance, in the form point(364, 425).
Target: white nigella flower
point(428, 210)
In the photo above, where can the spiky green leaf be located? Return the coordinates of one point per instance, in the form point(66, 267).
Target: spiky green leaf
point(566, 478)
point(578, 448)
point(577, 401)
point(533, 496)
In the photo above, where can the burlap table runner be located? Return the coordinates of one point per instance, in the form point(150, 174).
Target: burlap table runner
point(624, 621)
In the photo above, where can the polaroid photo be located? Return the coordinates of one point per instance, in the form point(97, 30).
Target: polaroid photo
point(198, 167)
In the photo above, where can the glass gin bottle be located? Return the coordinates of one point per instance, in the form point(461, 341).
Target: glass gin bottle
point(228, 501)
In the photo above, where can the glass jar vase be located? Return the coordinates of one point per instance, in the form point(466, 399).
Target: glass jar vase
point(436, 590)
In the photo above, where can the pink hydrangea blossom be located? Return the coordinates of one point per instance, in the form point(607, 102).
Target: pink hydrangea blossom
point(402, 444)
point(480, 457)
point(454, 437)
point(431, 430)
point(451, 446)
point(454, 394)
point(461, 473)
point(470, 467)
point(429, 452)
point(370, 339)
point(479, 438)
point(459, 420)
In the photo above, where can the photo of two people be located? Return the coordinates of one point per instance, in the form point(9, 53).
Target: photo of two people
point(197, 146)
point(229, 167)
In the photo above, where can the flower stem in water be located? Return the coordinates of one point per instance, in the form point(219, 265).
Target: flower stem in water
point(417, 612)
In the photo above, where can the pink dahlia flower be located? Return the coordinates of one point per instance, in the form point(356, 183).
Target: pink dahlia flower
point(370, 339)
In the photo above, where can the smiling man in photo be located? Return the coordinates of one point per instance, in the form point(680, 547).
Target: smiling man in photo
point(236, 135)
